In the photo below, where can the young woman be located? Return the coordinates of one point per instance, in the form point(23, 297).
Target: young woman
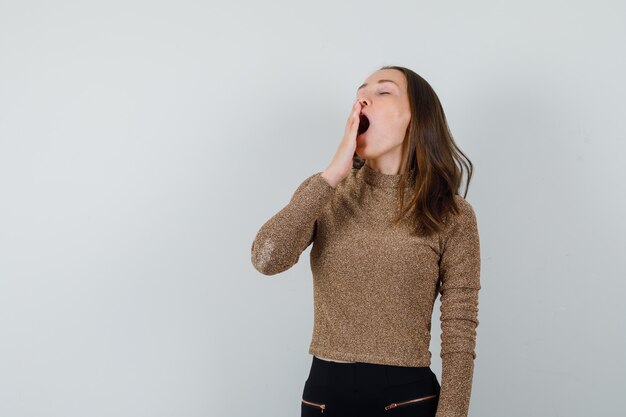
point(390, 233)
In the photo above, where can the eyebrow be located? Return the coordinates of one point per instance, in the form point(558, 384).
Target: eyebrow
point(379, 81)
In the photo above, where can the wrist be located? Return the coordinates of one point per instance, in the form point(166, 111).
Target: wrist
point(331, 178)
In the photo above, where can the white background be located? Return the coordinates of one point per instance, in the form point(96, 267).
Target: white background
point(143, 143)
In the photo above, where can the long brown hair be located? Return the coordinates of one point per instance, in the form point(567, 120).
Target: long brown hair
point(430, 150)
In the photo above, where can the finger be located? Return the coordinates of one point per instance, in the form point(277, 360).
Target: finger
point(355, 113)
point(354, 116)
point(355, 122)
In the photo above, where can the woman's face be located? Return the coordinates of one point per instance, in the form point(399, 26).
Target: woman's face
point(386, 105)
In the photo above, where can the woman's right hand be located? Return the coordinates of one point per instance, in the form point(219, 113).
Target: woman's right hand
point(341, 164)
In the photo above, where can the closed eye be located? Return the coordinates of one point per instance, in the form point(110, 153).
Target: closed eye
point(384, 92)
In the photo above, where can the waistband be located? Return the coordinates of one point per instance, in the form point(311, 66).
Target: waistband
point(362, 374)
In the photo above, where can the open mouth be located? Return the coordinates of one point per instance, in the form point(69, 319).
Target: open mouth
point(364, 124)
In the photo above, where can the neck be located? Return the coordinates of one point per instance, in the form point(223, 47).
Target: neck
point(376, 178)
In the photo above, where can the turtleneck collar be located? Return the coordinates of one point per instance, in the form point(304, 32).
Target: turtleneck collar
point(378, 179)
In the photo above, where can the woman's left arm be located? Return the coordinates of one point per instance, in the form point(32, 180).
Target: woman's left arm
point(459, 269)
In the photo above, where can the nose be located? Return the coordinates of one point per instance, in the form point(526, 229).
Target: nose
point(363, 101)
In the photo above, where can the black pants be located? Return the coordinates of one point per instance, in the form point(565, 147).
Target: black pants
point(335, 389)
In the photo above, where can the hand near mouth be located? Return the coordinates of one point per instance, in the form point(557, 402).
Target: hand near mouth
point(341, 165)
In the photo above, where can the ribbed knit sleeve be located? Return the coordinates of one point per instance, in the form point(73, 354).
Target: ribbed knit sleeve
point(279, 243)
point(460, 282)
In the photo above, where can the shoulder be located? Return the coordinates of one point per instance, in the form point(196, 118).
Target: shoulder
point(465, 207)
point(465, 217)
